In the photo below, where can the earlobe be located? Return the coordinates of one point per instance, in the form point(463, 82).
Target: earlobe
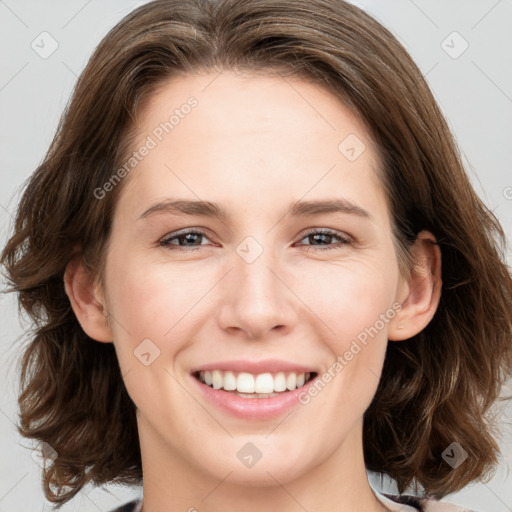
point(87, 300)
point(421, 292)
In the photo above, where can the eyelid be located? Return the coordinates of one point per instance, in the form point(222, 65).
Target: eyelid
point(182, 232)
point(345, 239)
point(327, 231)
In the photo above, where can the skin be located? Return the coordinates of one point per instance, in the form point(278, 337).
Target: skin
point(254, 144)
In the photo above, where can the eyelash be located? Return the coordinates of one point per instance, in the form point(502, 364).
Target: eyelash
point(344, 239)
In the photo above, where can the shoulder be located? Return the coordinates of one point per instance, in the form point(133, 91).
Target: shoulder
point(132, 506)
point(431, 505)
point(426, 504)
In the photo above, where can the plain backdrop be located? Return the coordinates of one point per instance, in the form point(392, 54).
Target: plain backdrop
point(463, 47)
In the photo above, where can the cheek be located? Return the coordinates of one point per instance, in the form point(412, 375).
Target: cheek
point(153, 320)
point(349, 380)
point(151, 301)
point(348, 298)
point(354, 307)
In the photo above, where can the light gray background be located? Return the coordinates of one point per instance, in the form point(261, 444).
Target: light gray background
point(474, 90)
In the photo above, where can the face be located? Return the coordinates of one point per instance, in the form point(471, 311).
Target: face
point(297, 276)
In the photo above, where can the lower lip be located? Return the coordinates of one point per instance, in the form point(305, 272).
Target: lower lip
point(252, 408)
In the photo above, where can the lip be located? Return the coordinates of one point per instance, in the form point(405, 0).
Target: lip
point(256, 367)
point(252, 408)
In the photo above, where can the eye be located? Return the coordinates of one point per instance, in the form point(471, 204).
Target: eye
point(187, 240)
point(179, 240)
point(324, 237)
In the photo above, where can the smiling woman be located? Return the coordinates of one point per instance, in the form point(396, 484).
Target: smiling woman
point(297, 252)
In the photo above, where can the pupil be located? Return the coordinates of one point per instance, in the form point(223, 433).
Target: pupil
point(189, 237)
point(320, 237)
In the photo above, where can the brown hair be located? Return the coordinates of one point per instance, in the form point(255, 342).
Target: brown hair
point(436, 388)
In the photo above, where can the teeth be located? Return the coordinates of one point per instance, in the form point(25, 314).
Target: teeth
point(229, 381)
point(291, 381)
point(247, 385)
point(256, 395)
point(280, 382)
point(217, 380)
point(264, 383)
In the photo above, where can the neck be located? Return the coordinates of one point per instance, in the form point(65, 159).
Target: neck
point(338, 484)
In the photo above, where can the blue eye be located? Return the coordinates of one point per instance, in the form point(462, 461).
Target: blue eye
point(324, 237)
point(183, 240)
point(322, 240)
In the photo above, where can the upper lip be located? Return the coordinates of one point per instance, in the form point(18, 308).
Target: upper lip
point(255, 367)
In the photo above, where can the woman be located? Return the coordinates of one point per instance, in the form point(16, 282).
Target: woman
point(258, 270)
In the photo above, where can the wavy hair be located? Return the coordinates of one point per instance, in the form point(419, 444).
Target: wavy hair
point(436, 388)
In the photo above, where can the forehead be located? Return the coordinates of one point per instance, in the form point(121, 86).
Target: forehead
point(230, 102)
point(261, 139)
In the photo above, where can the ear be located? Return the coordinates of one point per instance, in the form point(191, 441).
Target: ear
point(87, 300)
point(420, 293)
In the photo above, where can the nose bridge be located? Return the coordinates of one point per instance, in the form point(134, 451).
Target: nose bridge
point(257, 301)
point(256, 279)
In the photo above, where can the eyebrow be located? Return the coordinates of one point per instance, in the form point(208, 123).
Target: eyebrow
point(296, 209)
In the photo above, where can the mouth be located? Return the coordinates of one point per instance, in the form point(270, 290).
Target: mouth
point(253, 392)
point(254, 386)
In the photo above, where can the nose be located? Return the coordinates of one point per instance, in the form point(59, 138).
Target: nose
point(256, 298)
